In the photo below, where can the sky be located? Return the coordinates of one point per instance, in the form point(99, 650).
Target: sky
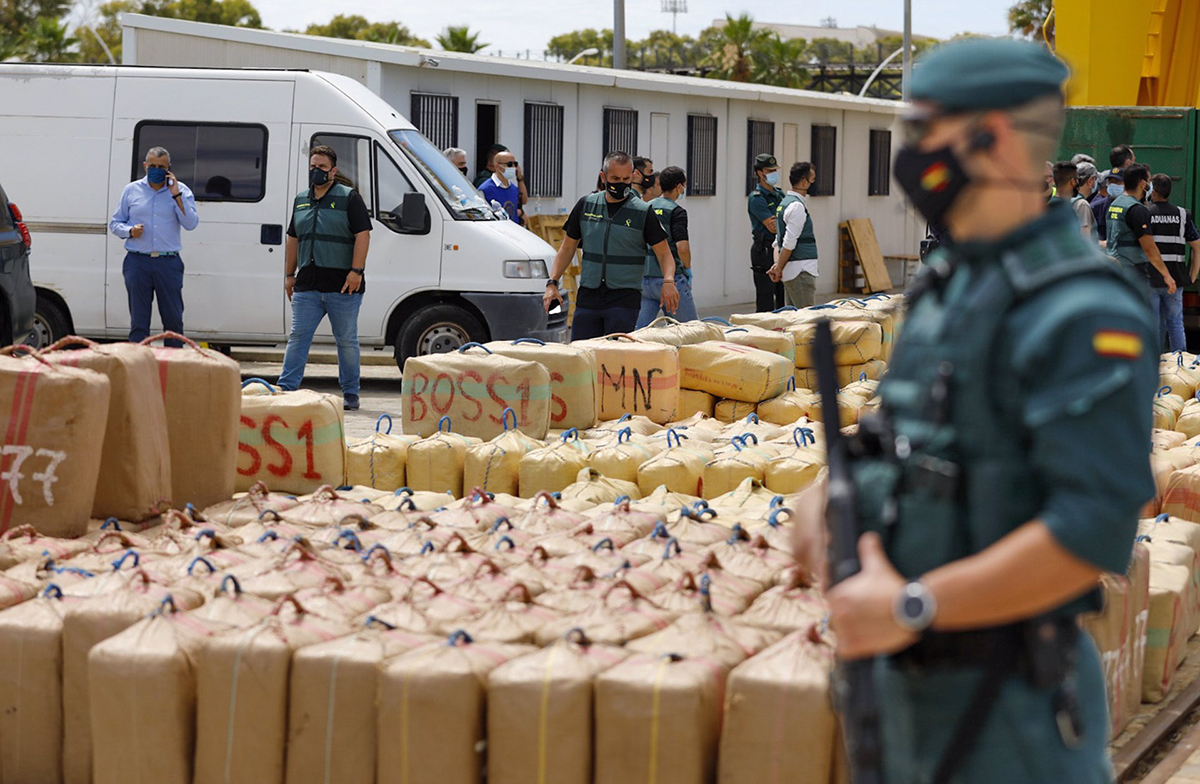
point(512, 26)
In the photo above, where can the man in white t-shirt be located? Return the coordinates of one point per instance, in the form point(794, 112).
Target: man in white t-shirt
point(795, 244)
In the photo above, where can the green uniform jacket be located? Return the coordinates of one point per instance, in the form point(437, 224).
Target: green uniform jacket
point(762, 205)
point(614, 248)
point(323, 228)
point(661, 208)
point(806, 244)
point(1122, 245)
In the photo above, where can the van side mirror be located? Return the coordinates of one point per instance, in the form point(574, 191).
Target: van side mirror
point(412, 212)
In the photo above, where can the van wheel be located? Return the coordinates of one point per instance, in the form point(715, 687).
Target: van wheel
point(436, 329)
point(49, 324)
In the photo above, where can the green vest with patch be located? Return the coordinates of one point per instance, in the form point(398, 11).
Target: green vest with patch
point(806, 244)
point(323, 228)
point(1122, 245)
point(959, 478)
point(662, 208)
point(614, 248)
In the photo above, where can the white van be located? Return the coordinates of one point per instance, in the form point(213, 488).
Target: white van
point(443, 268)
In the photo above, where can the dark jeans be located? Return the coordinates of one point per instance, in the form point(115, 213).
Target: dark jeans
point(598, 322)
point(146, 278)
point(768, 295)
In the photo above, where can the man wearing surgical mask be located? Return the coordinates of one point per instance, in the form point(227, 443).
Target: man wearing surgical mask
point(1110, 189)
point(1006, 466)
point(763, 202)
point(613, 227)
point(325, 267)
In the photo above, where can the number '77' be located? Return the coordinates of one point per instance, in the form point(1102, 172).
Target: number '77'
point(13, 475)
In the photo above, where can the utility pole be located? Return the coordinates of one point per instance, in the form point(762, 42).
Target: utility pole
point(619, 34)
point(906, 74)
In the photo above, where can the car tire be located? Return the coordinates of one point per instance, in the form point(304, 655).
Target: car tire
point(50, 323)
point(437, 329)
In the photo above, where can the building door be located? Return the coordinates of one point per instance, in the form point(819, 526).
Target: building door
point(791, 141)
point(660, 147)
point(487, 126)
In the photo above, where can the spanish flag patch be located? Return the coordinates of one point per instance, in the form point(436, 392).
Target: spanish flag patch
point(1123, 345)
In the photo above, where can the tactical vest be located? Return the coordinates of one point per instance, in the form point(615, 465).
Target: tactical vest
point(1122, 245)
point(806, 245)
point(614, 248)
point(770, 200)
point(323, 228)
point(662, 208)
point(954, 476)
point(1168, 224)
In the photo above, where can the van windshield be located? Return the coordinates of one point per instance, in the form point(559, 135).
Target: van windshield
point(455, 191)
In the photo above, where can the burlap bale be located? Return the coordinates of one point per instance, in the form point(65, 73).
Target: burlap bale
point(572, 372)
point(694, 401)
point(1167, 408)
point(1109, 630)
point(431, 712)
point(552, 468)
point(733, 371)
point(24, 543)
point(473, 386)
point(729, 411)
point(797, 468)
point(1166, 439)
point(680, 468)
point(436, 463)
point(1166, 634)
point(55, 419)
point(1181, 497)
point(292, 441)
point(635, 377)
point(1179, 377)
point(787, 408)
point(242, 683)
point(806, 378)
point(670, 332)
point(495, 466)
point(332, 710)
point(593, 488)
point(202, 398)
point(726, 472)
point(658, 718)
point(1138, 575)
point(786, 608)
point(769, 340)
point(622, 459)
point(248, 507)
point(854, 342)
point(1188, 421)
point(539, 713)
point(135, 466)
point(779, 720)
point(378, 461)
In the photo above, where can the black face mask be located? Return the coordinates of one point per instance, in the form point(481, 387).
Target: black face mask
point(463, 169)
point(317, 176)
point(618, 190)
point(933, 180)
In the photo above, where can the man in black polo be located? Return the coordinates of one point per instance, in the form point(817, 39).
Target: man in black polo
point(1173, 232)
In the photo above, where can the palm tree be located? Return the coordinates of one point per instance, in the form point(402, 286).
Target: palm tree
point(780, 62)
point(49, 42)
point(1028, 16)
point(734, 47)
point(460, 39)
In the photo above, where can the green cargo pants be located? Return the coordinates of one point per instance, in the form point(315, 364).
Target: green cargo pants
point(1020, 744)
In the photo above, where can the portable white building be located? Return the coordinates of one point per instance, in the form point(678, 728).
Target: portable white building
point(560, 120)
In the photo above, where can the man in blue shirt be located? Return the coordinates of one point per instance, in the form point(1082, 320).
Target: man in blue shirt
point(148, 217)
point(502, 187)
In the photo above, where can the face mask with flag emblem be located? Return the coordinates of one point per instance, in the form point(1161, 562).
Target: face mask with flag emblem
point(932, 180)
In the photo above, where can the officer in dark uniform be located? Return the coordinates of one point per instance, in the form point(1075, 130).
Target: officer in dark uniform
point(1008, 464)
point(763, 202)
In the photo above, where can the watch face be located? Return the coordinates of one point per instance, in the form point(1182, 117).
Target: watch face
point(914, 607)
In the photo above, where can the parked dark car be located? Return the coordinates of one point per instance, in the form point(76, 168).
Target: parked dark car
point(17, 298)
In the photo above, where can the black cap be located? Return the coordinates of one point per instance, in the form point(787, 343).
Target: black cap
point(765, 160)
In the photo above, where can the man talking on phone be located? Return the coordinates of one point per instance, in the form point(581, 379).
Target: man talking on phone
point(148, 217)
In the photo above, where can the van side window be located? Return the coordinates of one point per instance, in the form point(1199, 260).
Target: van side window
point(218, 161)
point(353, 161)
point(392, 185)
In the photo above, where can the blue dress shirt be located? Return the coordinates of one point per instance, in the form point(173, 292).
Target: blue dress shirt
point(159, 215)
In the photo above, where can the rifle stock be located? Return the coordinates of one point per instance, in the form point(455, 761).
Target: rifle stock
point(854, 683)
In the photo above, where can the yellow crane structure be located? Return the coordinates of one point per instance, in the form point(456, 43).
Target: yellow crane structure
point(1130, 52)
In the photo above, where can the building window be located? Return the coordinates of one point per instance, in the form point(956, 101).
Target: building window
point(543, 164)
point(218, 161)
point(879, 181)
point(760, 137)
point(824, 158)
point(701, 155)
point(436, 116)
point(620, 130)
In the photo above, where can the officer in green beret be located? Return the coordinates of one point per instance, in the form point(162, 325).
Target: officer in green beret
point(764, 201)
point(1008, 463)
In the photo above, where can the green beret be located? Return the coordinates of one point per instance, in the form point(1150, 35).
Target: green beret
point(987, 73)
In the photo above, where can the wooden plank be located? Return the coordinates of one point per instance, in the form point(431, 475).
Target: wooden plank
point(866, 246)
point(1155, 732)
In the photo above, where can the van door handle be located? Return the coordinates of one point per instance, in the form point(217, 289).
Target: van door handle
point(272, 234)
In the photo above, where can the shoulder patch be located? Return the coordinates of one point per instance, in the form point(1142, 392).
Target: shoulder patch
point(1118, 344)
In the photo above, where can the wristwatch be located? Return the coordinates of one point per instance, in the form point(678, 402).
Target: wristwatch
point(360, 271)
point(915, 607)
point(552, 282)
point(290, 275)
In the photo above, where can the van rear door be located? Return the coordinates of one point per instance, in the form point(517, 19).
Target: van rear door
point(230, 143)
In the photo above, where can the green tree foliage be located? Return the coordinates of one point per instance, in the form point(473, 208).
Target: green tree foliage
point(732, 52)
point(460, 39)
point(20, 25)
point(1027, 17)
point(663, 49)
point(567, 45)
point(357, 28)
point(48, 40)
point(780, 62)
point(106, 25)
